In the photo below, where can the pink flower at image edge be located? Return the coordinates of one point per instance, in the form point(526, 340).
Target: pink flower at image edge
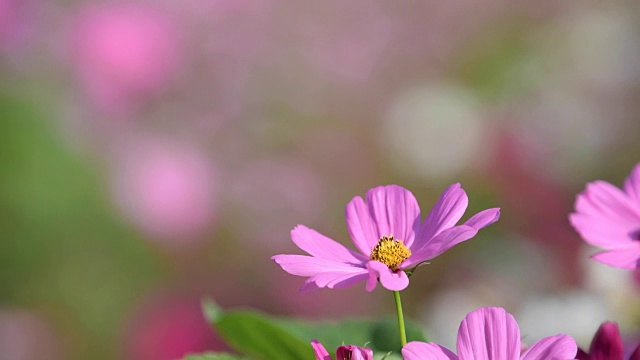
point(388, 232)
point(607, 344)
point(608, 217)
point(492, 334)
point(351, 352)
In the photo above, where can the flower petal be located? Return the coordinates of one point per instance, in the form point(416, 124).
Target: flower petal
point(483, 218)
point(353, 352)
point(390, 280)
point(603, 231)
point(361, 228)
point(489, 334)
point(446, 213)
point(303, 265)
point(416, 350)
point(628, 258)
point(319, 350)
point(632, 184)
point(323, 247)
point(607, 343)
point(439, 244)
point(394, 211)
point(603, 199)
point(333, 280)
point(389, 210)
point(554, 347)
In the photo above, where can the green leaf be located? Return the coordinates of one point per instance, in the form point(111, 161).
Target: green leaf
point(212, 356)
point(256, 335)
point(266, 337)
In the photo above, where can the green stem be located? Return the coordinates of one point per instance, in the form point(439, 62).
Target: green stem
point(403, 332)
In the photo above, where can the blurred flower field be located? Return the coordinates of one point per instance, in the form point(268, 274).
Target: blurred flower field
point(156, 153)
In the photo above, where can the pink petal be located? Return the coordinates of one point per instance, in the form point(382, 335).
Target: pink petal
point(353, 352)
point(445, 214)
point(553, 347)
point(489, 334)
point(439, 244)
point(603, 199)
point(483, 218)
point(632, 184)
point(620, 258)
point(602, 231)
point(303, 265)
point(360, 225)
point(333, 280)
point(607, 342)
point(416, 350)
point(394, 211)
point(390, 280)
point(323, 247)
point(319, 350)
point(389, 210)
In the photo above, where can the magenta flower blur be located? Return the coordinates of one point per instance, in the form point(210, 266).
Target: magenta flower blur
point(390, 236)
point(344, 352)
point(608, 217)
point(607, 345)
point(492, 334)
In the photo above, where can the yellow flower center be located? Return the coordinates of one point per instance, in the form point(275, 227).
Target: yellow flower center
point(390, 252)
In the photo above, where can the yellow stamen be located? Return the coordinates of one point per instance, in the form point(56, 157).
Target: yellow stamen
point(391, 252)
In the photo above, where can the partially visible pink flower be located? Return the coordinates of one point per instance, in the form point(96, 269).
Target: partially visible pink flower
point(607, 345)
point(124, 52)
point(167, 327)
point(609, 218)
point(388, 231)
point(349, 352)
point(166, 189)
point(493, 334)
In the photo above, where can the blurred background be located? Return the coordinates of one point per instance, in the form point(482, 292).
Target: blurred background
point(156, 152)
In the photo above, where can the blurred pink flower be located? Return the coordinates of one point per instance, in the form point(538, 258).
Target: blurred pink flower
point(608, 217)
point(493, 334)
point(169, 327)
point(167, 190)
point(124, 52)
point(607, 345)
point(350, 352)
point(389, 210)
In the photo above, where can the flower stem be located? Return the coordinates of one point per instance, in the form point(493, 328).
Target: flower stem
point(403, 332)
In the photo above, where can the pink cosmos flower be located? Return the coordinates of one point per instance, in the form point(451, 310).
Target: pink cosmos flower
point(610, 218)
point(124, 51)
point(350, 352)
point(607, 345)
point(167, 189)
point(492, 334)
point(388, 231)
